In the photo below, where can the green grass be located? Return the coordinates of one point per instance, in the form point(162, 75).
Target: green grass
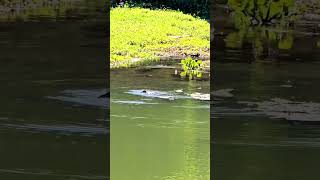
point(140, 36)
point(33, 8)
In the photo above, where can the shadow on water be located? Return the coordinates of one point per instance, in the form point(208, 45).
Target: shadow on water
point(265, 112)
point(53, 50)
point(158, 130)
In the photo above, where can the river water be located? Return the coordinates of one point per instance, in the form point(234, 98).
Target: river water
point(265, 116)
point(161, 133)
point(52, 69)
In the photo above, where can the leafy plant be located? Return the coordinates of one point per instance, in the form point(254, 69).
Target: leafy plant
point(191, 68)
point(260, 12)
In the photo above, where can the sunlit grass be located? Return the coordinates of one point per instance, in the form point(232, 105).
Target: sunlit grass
point(141, 35)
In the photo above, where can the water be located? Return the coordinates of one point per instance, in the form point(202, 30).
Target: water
point(159, 134)
point(51, 63)
point(268, 126)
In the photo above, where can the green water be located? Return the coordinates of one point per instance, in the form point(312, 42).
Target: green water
point(43, 55)
point(157, 138)
point(269, 128)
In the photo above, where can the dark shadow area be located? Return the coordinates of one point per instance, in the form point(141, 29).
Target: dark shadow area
point(196, 7)
point(265, 104)
point(53, 59)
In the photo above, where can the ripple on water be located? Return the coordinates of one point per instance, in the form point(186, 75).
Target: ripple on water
point(277, 108)
point(168, 95)
point(194, 107)
point(155, 94)
point(48, 173)
point(286, 109)
point(84, 97)
point(67, 129)
point(132, 102)
point(223, 93)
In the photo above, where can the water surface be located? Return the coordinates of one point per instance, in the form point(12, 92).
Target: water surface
point(161, 133)
point(268, 128)
point(45, 54)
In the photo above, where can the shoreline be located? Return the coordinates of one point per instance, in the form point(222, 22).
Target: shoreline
point(136, 62)
point(142, 36)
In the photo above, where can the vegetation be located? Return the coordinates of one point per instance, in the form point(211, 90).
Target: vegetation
point(191, 68)
point(265, 24)
point(142, 35)
point(21, 10)
point(270, 12)
point(195, 7)
point(260, 12)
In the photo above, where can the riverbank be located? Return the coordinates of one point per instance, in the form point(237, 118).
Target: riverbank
point(308, 10)
point(23, 10)
point(199, 8)
point(140, 36)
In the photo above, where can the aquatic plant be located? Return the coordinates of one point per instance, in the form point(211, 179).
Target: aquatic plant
point(191, 68)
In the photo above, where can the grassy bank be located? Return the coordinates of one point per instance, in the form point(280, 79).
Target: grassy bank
point(22, 10)
point(196, 7)
point(142, 35)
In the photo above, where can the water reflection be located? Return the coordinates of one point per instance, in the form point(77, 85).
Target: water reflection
point(283, 39)
point(49, 10)
point(45, 52)
point(265, 126)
